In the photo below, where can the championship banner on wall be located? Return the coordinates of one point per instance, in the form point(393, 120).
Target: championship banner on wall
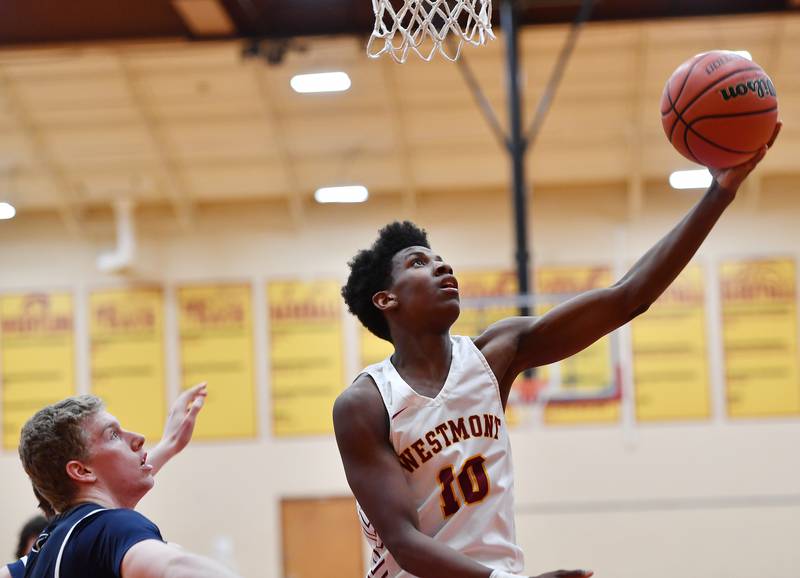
point(37, 356)
point(589, 372)
point(306, 353)
point(216, 338)
point(759, 331)
point(126, 336)
point(670, 360)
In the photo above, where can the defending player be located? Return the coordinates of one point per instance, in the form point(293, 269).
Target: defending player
point(91, 473)
point(422, 434)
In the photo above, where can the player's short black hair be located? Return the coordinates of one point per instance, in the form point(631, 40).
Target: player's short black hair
point(371, 271)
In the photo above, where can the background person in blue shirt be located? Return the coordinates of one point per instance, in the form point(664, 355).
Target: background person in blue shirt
point(89, 474)
point(28, 534)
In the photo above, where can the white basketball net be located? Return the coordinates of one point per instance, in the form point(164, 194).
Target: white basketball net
point(422, 26)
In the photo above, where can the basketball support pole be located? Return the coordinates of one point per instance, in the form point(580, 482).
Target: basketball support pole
point(517, 143)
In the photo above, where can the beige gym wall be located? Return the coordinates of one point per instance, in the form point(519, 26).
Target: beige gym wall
point(671, 499)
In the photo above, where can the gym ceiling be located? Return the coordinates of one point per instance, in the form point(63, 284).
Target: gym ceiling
point(57, 21)
point(162, 103)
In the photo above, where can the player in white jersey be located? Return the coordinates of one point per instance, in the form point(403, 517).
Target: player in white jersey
point(456, 439)
point(422, 435)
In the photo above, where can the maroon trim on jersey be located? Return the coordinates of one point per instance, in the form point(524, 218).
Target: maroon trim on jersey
point(399, 412)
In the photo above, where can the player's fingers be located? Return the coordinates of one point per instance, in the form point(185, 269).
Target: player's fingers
point(189, 394)
point(196, 406)
point(197, 389)
point(751, 164)
point(775, 133)
point(574, 573)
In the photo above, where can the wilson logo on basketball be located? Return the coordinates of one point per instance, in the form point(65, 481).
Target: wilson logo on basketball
point(761, 86)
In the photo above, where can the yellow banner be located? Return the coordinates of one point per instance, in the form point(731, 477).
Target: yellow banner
point(216, 332)
point(590, 371)
point(37, 356)
point(759, 330)
point(306, 355)
point(670, 360)
point(126, 332)
point(373, 349)
point(488, 285)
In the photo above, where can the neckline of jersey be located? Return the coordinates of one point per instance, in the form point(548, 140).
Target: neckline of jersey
point(443, 392)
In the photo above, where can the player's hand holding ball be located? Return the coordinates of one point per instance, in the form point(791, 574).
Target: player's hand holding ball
point(730, 179)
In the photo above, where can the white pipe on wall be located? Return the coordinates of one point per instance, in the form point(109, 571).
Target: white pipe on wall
point(121, 258)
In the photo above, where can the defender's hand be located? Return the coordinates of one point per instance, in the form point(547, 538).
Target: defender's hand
point(179, 427)
point(183, 416)
point(730, 179)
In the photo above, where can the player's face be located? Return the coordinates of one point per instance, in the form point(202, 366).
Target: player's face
point(118, 460)
point(424, 286)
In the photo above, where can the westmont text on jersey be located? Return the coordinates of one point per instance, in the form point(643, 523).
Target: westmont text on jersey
point(485, 425)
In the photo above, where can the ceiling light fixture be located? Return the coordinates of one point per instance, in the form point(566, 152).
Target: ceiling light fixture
point(694, 179)
point(345, 194)
point(7, 211)
point(320, 82)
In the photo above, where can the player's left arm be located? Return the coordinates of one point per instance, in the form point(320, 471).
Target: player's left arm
point(155, 559)
point(5, 572)
point(518, 343)
point(179, 427)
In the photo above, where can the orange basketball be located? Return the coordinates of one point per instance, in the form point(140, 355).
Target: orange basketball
point(719, 108)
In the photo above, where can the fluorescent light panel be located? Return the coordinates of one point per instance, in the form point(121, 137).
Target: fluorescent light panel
point(7, 211)
point(320, 82)
point(694, 179)
point(345, 194)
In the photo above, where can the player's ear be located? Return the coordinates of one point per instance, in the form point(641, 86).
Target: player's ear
point(80, 472)
point(384, 300)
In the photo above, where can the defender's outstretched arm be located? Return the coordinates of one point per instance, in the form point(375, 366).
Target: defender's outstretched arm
point(154, 559)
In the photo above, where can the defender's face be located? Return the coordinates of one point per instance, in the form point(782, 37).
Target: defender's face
point(118, 460)
point(424, 284)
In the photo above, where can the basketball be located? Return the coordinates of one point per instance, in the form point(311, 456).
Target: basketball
point(719, 108)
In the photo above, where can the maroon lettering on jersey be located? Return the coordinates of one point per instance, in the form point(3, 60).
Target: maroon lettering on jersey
point(458, 430)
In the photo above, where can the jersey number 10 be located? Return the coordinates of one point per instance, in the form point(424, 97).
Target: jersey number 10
point(472, 481)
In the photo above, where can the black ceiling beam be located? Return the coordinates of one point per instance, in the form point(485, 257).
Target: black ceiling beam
point(46, 22)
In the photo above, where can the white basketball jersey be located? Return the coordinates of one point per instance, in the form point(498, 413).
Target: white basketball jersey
point(456, 456)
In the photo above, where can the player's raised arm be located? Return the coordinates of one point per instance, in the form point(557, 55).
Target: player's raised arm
point(179, 426)
point(155, 559)
point(377, 480)
point(576, 324)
